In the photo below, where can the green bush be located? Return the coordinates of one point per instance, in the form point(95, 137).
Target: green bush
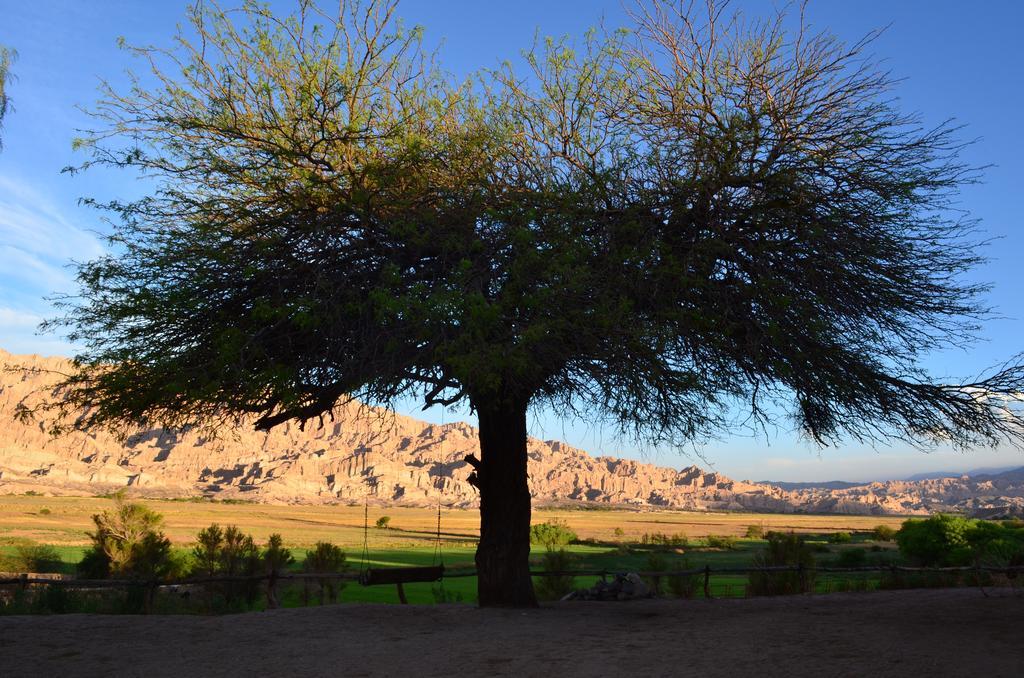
point(840, 538)
point(720, 541)
point(557, 586)
point(940, 540)
point(883, 533)
point(754, 532)
point(325, 558)
point(128, 543)
point(683, 585)
point(383, 523)
point(996, 544)
point(227, 552)
point(852, 558)
point(655, 562)
point(677, 540)
point(552, 534)
point(33, 557)
point(783, 549)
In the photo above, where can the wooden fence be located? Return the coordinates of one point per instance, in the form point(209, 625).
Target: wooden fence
point(25, 580)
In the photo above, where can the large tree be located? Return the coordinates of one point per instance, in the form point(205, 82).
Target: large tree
point(662, 228)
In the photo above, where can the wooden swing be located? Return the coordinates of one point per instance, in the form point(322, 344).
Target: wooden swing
point(371, 576)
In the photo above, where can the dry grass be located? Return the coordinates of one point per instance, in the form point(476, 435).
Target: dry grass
point(69, 518)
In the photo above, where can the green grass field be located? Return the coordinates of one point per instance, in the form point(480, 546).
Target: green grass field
point(611, 538)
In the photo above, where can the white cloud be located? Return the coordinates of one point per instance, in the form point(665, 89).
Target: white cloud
point(38, 241)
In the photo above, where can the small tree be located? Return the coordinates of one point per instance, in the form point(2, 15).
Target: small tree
point(128, 542)
point(276, 559)
point(383, 522)
point(883, 533)
point(325, 558)
point(35, 558)
point(228, 553)
point(783, 549)
point(940, 540)
point(552, 534)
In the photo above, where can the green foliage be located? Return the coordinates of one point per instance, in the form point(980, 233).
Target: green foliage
point(940, 540)
point(840, 538)
point(783, 549)
point(127, 542)
point(44, 511)
point(552, 534)
point(677, 540)
point(383, 522)
point(32, 557)
point(997, 544)
point(852, 558)
point(325, 558)
point(227, 552)
point(883, 533)
point(555, 587)
point(945, 540)
point(276, 558)
point(683, 585)
point(754, 532)
point(335, 217)
point(655, 562)
point(720, 541)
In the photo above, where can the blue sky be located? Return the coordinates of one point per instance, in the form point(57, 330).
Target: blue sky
point(958, 61)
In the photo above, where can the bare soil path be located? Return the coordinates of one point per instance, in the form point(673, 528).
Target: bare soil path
point(894, 633)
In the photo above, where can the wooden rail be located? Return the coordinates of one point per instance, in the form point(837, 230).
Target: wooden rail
point(25, 580)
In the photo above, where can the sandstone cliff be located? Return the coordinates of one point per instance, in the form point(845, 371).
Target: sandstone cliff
point(400, 460)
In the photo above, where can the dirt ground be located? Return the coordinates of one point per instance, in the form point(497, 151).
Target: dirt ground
point(895, 633)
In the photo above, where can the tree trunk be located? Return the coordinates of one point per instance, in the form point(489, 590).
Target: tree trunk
point(503, 556)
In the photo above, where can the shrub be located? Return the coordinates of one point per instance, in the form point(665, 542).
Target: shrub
point(552, 534)
point(677, 540)
point(783, 549)
point(996, 544)
point(383, 522)
point(840, 538)
point(618, 533)
point(754, 532)
point(852, 558)
point(276, 558)
point(883, 533)
point(128, 543)
point(325, 558)
point(683, 585)
point(720, 541)
point(556, 586)
point(44, 511)
point(940, 540)
point(227, 552)
point(655, 562)
point(35, 558)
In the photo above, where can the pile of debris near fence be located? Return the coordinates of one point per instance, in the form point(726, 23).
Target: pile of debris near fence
point(623, 587)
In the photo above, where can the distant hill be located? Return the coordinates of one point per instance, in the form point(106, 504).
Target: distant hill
point(973, 473)
point(392, 459)
point(824, 485)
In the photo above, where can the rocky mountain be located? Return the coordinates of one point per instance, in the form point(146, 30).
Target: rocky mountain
point(394, 459)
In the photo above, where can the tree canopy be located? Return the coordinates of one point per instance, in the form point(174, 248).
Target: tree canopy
point(658, 226)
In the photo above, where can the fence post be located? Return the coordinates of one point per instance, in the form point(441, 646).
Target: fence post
point(24, 581)
point(272, 589)
point(802, 577)
point(707, 581)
